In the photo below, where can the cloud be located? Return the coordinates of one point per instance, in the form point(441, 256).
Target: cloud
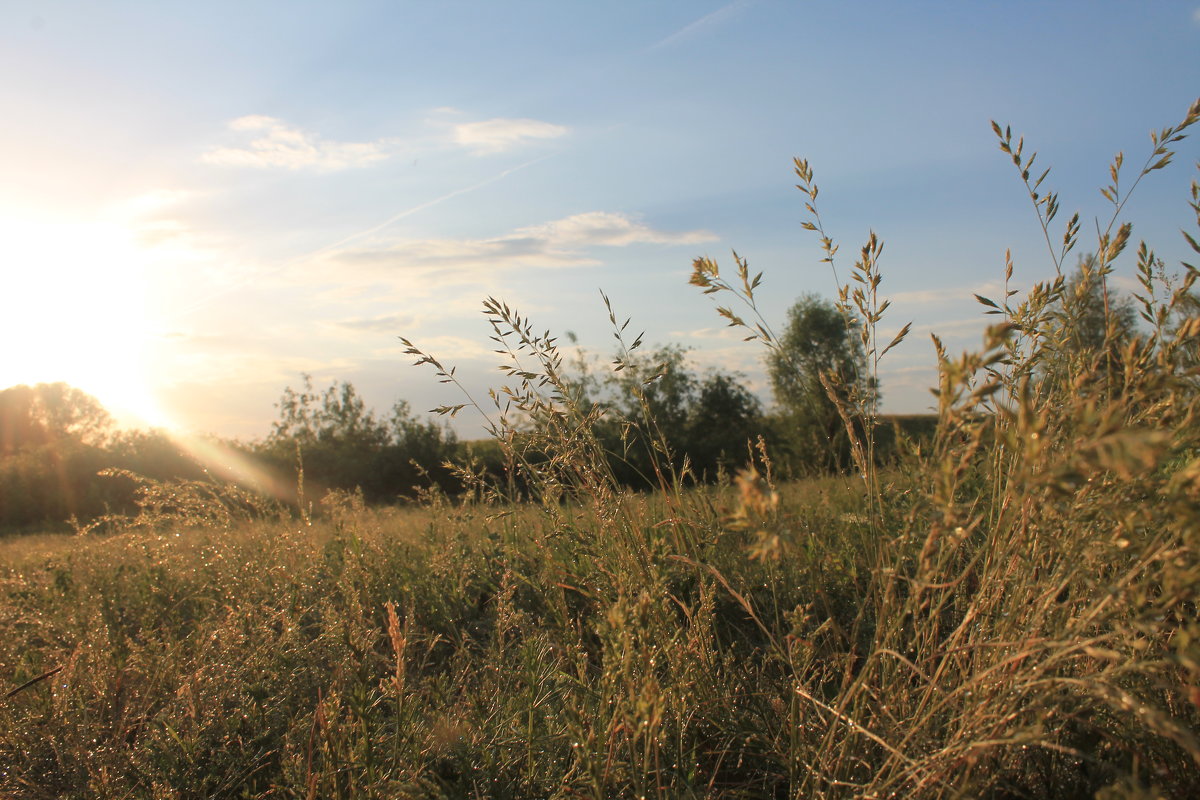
point(158, 233)
point(992, 289)
point(741, 359)
point(1196, 16)
point(272, 143)
point(944, 329)
point(290, 148)
point(153, 218)
point(500, 134)
point(918, 380)
point(387, 323)
point(611, 229)
point(449, 348)
point(451, 258)
point(557, 244)
point(727, 333)
point(1126, 283)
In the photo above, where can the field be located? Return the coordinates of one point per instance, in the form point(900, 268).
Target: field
point(1006, 610)
point(632, 649)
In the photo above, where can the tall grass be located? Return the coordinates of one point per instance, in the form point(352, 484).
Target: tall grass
point(1008, 612)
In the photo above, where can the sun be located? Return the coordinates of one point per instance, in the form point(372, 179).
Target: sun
point(78, 308)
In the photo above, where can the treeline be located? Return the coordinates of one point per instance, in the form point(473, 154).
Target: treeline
point(54, 439)
point(653, 414)
point(63, 461)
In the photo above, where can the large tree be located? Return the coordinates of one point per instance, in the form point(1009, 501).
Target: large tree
point(51, 445)
point(32, 416)
point(819, 351)
point(816, 341)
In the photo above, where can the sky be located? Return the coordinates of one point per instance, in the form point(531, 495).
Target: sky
point(200, 202)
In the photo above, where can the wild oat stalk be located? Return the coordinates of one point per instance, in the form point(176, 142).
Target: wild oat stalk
point(861, 307)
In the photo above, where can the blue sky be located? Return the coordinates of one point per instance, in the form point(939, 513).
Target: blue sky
point(200, 201)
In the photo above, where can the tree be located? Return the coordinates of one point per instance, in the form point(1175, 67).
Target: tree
point(816, 341)
point(818, 348)
point(1187, 357)
point(338, 440)
point(336, 415)
point(31, 416)
point(1091, 326)
point(417, 453)
point(52, 437)
point(344, 445)
point(658, 406)
point(724, 418)
point(659, 379)
point(709, 419)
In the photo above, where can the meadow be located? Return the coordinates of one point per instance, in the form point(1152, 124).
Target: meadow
point(1006, 610)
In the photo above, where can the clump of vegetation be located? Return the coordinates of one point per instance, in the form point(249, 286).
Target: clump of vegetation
point(1010, 612)
point(55, 440)
point(331, 440)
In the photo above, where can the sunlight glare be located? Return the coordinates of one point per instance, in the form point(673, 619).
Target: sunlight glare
point(77, 308)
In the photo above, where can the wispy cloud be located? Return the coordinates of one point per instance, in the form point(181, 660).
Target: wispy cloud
point(154, 218)
point(992, 289)
point(454, 349)
point(557, 244)
point(280, 145)
point(273, 143)
point(727, 333)
point(611, 229)
point(1196, 16)
point(916, 379)
point(453, 257)
point(500, 134)
point(944, 329)
point(385, 323)
point(742, 361)
point(429, 255)
point(702, 24)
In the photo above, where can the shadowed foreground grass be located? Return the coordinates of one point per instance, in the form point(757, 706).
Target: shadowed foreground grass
point(441, 651)
point(627, 651)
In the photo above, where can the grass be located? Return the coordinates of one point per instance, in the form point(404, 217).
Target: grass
point(1009, 611)
point(266, 659)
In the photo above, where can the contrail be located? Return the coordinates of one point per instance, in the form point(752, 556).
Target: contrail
point(421, 207)
point(201, 301)
point(712, 18)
